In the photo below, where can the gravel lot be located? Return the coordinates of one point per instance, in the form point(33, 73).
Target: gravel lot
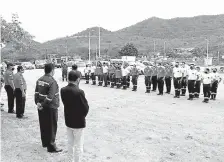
point(123, 126)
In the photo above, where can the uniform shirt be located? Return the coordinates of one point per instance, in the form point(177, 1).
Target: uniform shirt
point(105, 69)
point(18, 81)
point(177, 73)
point(154, 71)
point(87, 70)
point(64, 67)
point(215, 76)
point(134, 71)
point(199, 75)
point(169, 72)
point(161, 72)
point(111, 70)
point(184, 71)
point(8, 77)
point(47, 92)
point(192, 74)
point(124, 71)
point(93, 69)
point(207, 78)
point(148, 71)
point(118, 73)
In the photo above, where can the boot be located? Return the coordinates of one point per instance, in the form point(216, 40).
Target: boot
point(112, 85)
point(214, 98)
point(124, 87)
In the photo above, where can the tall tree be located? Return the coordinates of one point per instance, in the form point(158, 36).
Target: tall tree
point(129, 50)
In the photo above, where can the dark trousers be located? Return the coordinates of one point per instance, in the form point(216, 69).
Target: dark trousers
point(148, 83)
point(108, 79)
point(105, 75)
point(135, 82)
point(112, 80)
point(87, 78)
point(64, 75)
point(191, 88)
point(48, 119)
point(100, 79)
point(154, 83)
point(118, 82)
point(20, 102)
point(183, 85)
point(124, 82)
point(11, 97)
point(128, 81)
point(93, 77)
point(197, 89)
point(206, 91)
point(168, 84)
point(214, 88)
point(160, 85)
point(177, 86)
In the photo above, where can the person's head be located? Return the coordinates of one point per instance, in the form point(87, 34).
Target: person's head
point(207, 70)
point(159, 64)
point(74, 67)
point(191, 66)
point(10, 66)
point(198, 68)
point(49, 69)
point(86, 65)
point(74, 77)
point(183, 64)
point(134, 65)
point(20, 69)
point(214, 70)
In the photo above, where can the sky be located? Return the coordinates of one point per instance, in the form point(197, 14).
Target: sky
point(51, 19)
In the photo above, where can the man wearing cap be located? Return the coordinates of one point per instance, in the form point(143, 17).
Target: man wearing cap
point(216, 79)
point(148, 77)
point(20, 92)
point(111, 71)
point(64, 68)
point(154, 78)
point(47, 101)
point(161, 73)
point(75, 111)
point(9, 87)
point(134, 76)
point(177, 75)
point(168, 77)
point(191, 81)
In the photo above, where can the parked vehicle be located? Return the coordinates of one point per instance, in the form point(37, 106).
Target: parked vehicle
point(81, 68)
point(39, 64)
point(28, 65)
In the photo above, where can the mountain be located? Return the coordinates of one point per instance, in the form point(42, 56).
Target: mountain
point(176, 33)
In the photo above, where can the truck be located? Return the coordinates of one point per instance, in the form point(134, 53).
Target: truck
point(128, 58)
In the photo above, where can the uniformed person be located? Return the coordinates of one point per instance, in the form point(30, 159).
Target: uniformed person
point(148, 78)
point(112, 75)
point(47, 101)
point(124, 72)
point(105, 74)
point(198, 83)
point(177, 76)
point(9, 87)
point(93, 75)
point(128, 76)
point(1, 85)
point(168, 77)
point(87, 71)
point(191, 81)
point(161, 73)
point(20, 92)
point(134, 76)
point(207, 81)
point(183, 81)
point(216, 79)
point(64, 68)
point(100, 74)
point(154, 78)
point(118, 75)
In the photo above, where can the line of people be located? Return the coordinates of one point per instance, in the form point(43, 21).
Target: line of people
point(185, 77)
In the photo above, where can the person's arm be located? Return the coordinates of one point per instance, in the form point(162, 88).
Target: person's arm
point(62, 96)
point(85, 106)
point(20, 80)
point(51, 94)
point(11, 81)
point(36, 95)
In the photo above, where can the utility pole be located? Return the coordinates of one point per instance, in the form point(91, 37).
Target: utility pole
point(99, 41)
point(207, 48)
point(164, 49)
point(66, 48)
point(96, 51)
point(154, 45)
point(89, 45)
point(218, 57)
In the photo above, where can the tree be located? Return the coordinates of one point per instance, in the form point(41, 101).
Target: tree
point(129, 50)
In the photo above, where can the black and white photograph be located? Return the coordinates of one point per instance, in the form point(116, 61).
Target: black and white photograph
point(112, 81)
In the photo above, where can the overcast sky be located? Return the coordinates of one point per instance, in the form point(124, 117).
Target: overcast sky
point(50, 19)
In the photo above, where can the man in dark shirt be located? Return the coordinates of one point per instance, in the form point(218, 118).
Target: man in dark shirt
point(75, 110)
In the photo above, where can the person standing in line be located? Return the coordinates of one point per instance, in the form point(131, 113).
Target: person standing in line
point(1, 85)
point(100, 74)
point(124, 72)
point(64, 68)
point(198, 83)
point(148, 77)
point(87, 71)
point(177, 75)
point(47, 101)
point(161, 73)
point(207, 81)
point(75, 68)
point(128, 76)
point(93, 75)
point(134, 76)
point(118, 76)
point(9, 87)
point(154, 78)
point(76, 109)
point(216, 79)
point(111, 72)
point(183, 80)
point(168, 77)
point(20, 92)
point(105, 73)
point(191, 81)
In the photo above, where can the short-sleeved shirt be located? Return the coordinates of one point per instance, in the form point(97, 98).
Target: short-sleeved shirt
point(93, 69)
point(161, 71)
point(105, 69)
point(215, 76)
point(148, 71)
point(8, 77)
point(169, 72)
point(184, 71)
point(192, 74)
point(207, 78)
point(19, 81)
point(177, 73)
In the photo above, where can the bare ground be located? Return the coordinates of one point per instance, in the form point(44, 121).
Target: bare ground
point(124, 126)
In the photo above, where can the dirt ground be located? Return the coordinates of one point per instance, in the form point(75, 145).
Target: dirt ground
point(123, 126)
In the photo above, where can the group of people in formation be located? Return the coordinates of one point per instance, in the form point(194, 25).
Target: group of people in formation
point(184, 77)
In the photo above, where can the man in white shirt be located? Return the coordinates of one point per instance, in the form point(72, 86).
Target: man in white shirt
point(93, 76)
point(87, 73)
point(184, 79)
point(206, 80)
point(124, 72)
point(177, 76)
point(216, 79)
point(198, 83)
point(105, 73)
point(191, 80)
